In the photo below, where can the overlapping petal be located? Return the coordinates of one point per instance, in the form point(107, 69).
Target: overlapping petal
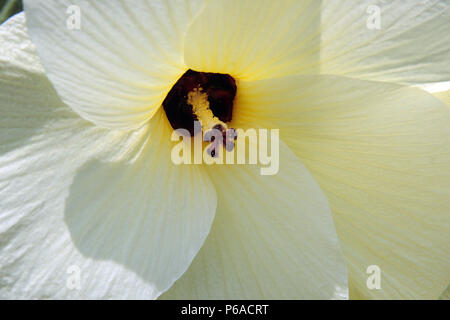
point(255, 40)
point(273, 238)
point(116, 69)
point(398, 41)
point(381, 153)
point(443, 96)
point(87, 212)
point(446, 294)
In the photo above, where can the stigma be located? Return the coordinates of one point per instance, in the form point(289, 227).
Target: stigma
point(206, 98)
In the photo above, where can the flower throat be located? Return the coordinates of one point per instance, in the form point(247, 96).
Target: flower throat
point(206, 98)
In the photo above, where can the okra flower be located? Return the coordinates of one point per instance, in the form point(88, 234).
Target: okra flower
point(91, 205)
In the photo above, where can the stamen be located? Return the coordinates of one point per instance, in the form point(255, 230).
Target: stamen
point(200, 107)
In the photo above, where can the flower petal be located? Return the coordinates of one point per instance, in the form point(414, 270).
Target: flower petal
point(381, 153)
point(252, 40)
point(440, 90)
point(81, 202)
point(446, 294)
point(273, 238)
point(118, 67)
point(411, 45)
point(17, 49)
point(443, 96)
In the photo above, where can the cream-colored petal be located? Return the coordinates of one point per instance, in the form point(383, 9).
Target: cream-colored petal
point(446, 294)
point(16, 47)
point(273, 238)
point(443, 96)
point(411, 46)
point(440, 90)
point(118, 67)
point(381, 153)
point(81, 202)
point(255, 40)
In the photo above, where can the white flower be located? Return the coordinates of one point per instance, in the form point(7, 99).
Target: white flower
point(88, 190)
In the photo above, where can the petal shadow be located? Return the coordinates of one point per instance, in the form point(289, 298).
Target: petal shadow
point(27, 102)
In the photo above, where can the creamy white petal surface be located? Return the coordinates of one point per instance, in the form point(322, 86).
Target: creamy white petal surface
point(255, 40)
point(273, 238)
point(443, 96)
point(446, 294)
point(381, 153)
point(76, 199)
point(118, 67)
point(412, 44)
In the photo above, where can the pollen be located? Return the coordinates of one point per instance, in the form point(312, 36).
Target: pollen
point(200, 107)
